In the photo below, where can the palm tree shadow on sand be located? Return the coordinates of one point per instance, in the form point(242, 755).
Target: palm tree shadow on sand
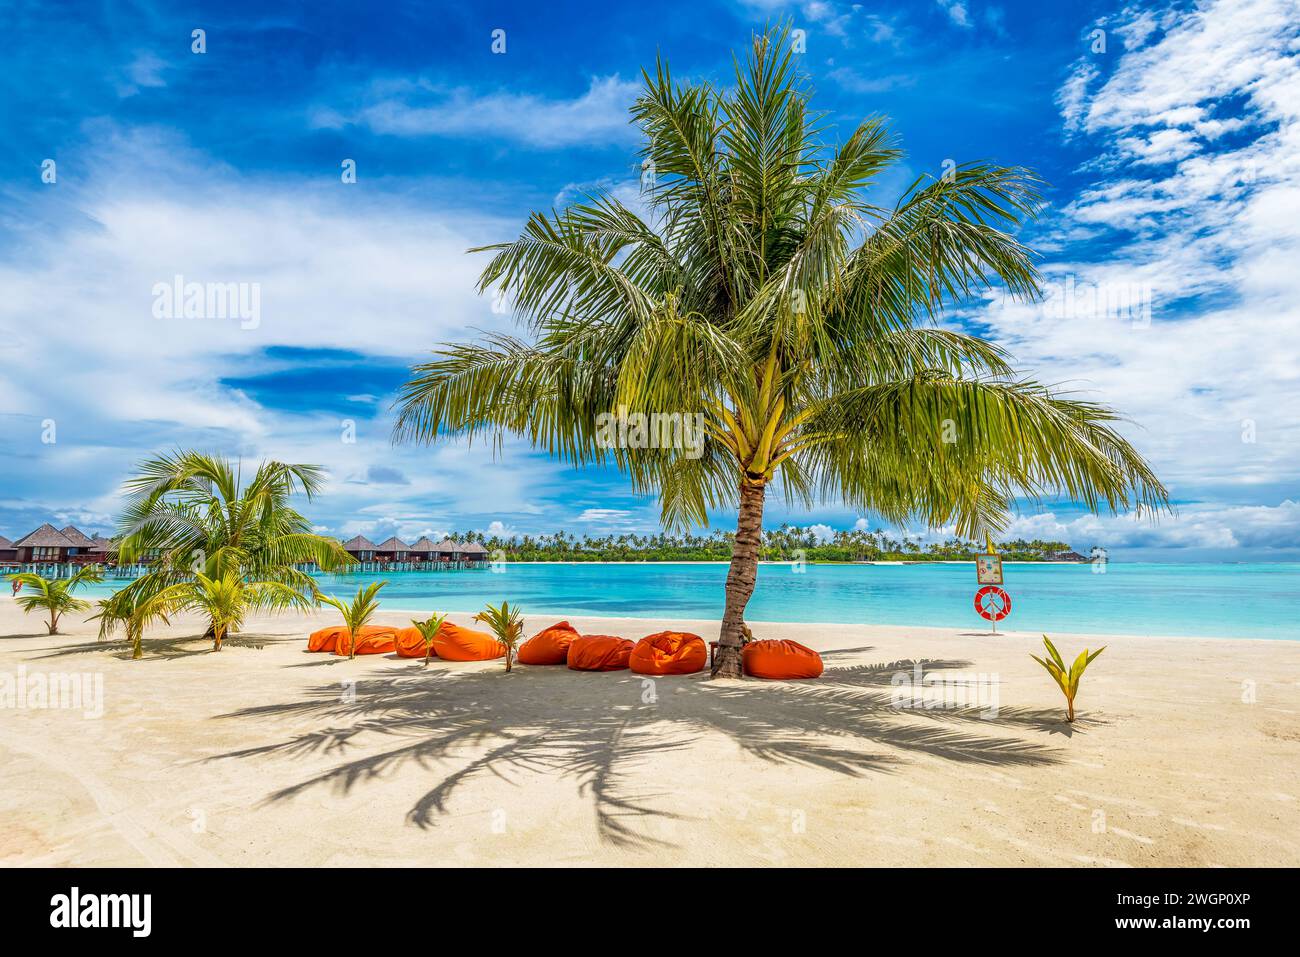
point(842, 724)
point(168, 647)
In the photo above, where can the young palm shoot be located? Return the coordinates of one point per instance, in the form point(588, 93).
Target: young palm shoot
point(1066, 678)
point(358, 612)
point(54, 595)
point(507, 624)
point(428, 630)
point(131, 611)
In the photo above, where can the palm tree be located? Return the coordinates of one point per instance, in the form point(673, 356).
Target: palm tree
point(131, 611)
point(225, 601)
point(195, 513)
point(358, 612)
point(54, 595)
point(507, 624)
point(766, 293)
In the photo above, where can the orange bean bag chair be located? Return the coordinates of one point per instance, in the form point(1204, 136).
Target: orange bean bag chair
point(548, 647)
point(454, 643)
point(599, 653)
point(327, 639)
point(374, 640)
point(409, 643)
point(669, 653)
point(783, 658)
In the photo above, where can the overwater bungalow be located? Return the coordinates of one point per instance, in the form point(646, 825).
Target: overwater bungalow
point(473, 552)
point(45, 545)
point(424, 550)
point(448, 550)
point(361, 548)
point(8, 553)
point(393, 550)
point(83, 545)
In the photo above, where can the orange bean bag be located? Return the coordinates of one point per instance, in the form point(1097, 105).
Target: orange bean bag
point(326, 639)
point(669, 653)
point(454, 643)
point(599, 653)
point(548, 647)
point(409, 643)
point(783, 658)
point(374, 640)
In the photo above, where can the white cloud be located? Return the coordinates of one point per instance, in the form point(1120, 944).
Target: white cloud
point(821, 532)
point(855, 81)
point(144, 70)
point(1215, 51)
point(1072, 97)
point(957, 12)
point(1223, 528)
point(1202, 530)
point(605, 516)
point(420, 108)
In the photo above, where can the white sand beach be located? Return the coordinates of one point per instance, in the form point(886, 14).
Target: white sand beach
point(1187, 752)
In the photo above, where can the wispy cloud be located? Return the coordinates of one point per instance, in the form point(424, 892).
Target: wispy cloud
point(144, 70)
point(420, 108)
point(956, 11)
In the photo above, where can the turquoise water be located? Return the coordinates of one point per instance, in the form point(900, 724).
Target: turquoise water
point(1241, 601)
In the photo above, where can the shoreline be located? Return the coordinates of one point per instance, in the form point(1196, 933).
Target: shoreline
point(390, 610)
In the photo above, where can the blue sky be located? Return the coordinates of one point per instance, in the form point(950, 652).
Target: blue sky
point(1167, 133)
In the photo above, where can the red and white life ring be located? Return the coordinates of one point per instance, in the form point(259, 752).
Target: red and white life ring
point(992, 603)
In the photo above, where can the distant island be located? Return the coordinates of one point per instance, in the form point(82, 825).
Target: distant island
point(783, 544)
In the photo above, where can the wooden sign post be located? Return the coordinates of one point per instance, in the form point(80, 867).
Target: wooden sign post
point(988, 572)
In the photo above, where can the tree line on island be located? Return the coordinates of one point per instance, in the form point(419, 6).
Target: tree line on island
point(786, 543)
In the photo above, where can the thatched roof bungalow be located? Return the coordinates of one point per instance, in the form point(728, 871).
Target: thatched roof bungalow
point(45, 544)
point(448, 550)
point(80, 540)
point(473, 552)
point(424, 550)
point(361, 548)
point(84, 546)
point(393, 550)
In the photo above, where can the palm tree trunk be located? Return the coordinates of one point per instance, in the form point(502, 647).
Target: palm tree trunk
point(740, 581)
point(53, 624)
point(217, 635)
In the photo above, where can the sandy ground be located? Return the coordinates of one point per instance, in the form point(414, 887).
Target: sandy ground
point(1187, 752)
